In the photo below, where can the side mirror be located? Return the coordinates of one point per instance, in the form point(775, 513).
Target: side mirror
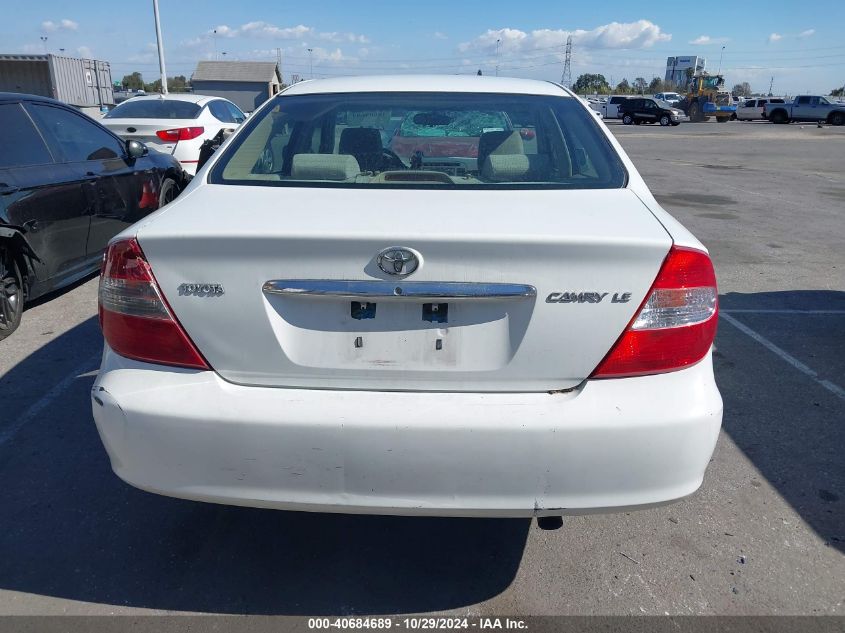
point(136, 149)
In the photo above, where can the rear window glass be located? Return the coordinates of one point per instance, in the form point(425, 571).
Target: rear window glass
point(422, 140)
point(155, 109)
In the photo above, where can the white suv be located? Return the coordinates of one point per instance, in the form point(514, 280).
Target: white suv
point(502, 323)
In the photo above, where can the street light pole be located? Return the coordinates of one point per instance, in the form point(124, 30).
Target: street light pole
point(160, 49)
point(311, 61)
point(499, 41)
point(719, 72)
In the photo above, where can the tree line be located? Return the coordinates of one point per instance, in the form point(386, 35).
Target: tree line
point(135, 82)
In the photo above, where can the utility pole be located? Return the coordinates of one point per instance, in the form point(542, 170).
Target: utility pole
point(214, 37)
point(566, 77)
point(279, 64)
point(311, 61)
point(771, 83)
point(160, 49)
point(499, 41)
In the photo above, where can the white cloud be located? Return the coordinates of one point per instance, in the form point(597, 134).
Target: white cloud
point(774, 37)
point(353, 38)
point(439, 35)
point(639, 34)
point(265, 30)
point(223, 31)
point(49, 26)
point(807, 33)
point(704, 40)
point(84, 52)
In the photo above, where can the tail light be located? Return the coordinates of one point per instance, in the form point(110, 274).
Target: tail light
point(676, 324)
point(180, 133)
point(136, 320)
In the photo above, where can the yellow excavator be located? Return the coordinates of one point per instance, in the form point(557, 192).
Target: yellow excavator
point(705, 97)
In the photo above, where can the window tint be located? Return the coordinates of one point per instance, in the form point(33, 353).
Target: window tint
point(155, 109)
point(803, 100)
point(237, 115)
point(73, 137)
point(220, 112)
point(20, 143)
point(421, 140)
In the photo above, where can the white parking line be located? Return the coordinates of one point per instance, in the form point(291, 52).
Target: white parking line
point(797, 364)
point(782, 311)
point(44, 401)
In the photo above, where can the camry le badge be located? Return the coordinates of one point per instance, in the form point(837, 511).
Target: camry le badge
point(587, 297)
point(398, 261)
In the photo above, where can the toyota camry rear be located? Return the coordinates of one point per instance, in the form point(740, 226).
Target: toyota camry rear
point(328, 319)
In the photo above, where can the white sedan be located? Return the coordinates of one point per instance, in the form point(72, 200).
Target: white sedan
point(176, 124)
point(503, 327)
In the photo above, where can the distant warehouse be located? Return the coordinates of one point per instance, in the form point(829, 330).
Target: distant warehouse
point(84, 83)
point(247, 84)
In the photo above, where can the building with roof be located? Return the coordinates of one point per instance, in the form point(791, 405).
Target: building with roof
point(247, 84)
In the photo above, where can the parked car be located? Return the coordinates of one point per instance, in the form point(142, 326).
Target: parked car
point(529, 338)
point(176, 124)
point(672, 98)
point(754, 109)
point(67, 186)
point(807, 108)
point(609, 109)
point(647, 110)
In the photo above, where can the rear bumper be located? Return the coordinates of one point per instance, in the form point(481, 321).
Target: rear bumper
point(610, 444)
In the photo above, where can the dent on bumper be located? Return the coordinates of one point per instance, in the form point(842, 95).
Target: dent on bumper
point(608, 445)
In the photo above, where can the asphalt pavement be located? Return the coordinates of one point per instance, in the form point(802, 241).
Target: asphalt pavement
point(764, 535)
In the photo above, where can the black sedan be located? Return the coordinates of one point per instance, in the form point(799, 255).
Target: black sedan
point(67, 186)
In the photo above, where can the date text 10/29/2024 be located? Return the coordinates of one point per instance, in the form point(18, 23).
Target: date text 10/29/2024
point(418, 623)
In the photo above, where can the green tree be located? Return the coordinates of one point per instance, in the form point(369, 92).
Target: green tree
point(133, 81)
point(838, 92)
point(640, 85)
point(655, 85)
point(588, 82)
point(742, 90)
point(174, 84)
point(623, 87)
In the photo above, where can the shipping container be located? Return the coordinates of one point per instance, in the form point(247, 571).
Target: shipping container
point(84, 83)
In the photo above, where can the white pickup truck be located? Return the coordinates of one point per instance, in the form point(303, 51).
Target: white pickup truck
point(610, 108)
point(807, 108)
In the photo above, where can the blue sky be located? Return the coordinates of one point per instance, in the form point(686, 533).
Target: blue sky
point(803, 49)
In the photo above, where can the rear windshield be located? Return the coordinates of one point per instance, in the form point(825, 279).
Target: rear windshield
point(155, 109)
point(422, 140)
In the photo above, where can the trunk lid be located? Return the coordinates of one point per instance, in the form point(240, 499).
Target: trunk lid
point(590, 256)
point(144, 130)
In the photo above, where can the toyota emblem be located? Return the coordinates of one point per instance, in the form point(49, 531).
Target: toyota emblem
point(398, 261)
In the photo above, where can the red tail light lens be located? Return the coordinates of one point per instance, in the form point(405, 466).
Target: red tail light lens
point(676, 325)
point(180, 134)
point(136, 320)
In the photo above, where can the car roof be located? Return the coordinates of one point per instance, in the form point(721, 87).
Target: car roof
point(17, 96)
point(182, 96)
point(427, 83)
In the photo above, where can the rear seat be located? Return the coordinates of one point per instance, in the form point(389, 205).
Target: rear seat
point(516, 167)
point(324, 167)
